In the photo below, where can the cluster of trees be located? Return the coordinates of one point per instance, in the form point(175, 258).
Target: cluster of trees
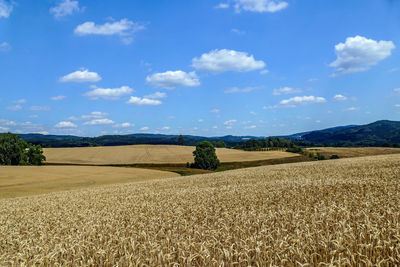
point(15, 151)
point(268, 144)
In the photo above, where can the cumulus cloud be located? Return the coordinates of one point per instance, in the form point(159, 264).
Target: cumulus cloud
point(230, 122)
point(250, 127)
point(20, 101)
point(233, 90)
point(217, 61)
point(222, 5)
point(80, 76)
point(124, 125)
point(5, 47)
point(65, 8)
point(351, 109)
point(94, 115)
point(397, 105)
point(360, 54)
point(109, 93)
point(165, 128)
point(339, 97)
point(40, 108)
point(303, 100)
point(4, 129)
point(215, 110)
point(6, 7)
point(14, 108)
point(143, 101)
point(65, 124)
point(58, 98)
point(156, 95)
point(259, 6)
point(286, 91)
point(99, 122)
point(145, 128)
point(397, 90)
point(123, 28)
point(172, 79)
point(238, 32)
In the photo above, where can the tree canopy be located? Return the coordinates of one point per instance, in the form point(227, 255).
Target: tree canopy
point(15, 151)
point(205, 156)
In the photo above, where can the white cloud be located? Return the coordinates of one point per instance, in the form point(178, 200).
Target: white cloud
point(259, 6)
point(217, 61)
point(143, 101)
point(124, 125)
point(351, 109)
point(4, 122)
point(263, 72)
point(238, 32)
point(303, 100)
point(215, 127)
point(215, 110)
point(65, 8)
point(156, 95)
point(109, 93)
point(6, 7)
point(58, 98)
point(5, 47)
point(165, 128)
point(240, 90)
point(124, 28)
point(20, 101)
point(172, 79)
point(360, 54)
point(253, 113)
point(397, 105)
point(144, 128)
point(4, 129)
point(40, 108)
point(251, 127)
point(397, 90)
point(80, 76)
point(312, 80)
point(339, 97)
point(222, 5)
point(92, 115)
point(230, 122)
point(200, 120)
point(15, 108)
point(99, 122)
point(65, 124)
point(286, 91)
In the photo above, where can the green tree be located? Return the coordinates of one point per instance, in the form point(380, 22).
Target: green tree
point(221, 144)
point(15, 151)
point(205, 156)
point(181, 140)
point(12, 149)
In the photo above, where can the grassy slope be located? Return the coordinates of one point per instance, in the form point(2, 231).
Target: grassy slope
point(335, 212)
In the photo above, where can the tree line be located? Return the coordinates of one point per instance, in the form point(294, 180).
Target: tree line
point(15, 151)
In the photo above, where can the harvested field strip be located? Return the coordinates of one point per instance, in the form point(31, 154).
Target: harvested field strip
point(151, 154)
point(338, 212)
point(28, 180)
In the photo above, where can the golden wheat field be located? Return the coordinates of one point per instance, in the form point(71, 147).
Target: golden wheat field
point(350, 152)
point(31, 180)
point(342, 212)
point(149, 154)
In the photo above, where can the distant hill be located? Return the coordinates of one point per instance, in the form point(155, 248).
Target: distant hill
point(130, 139)
point(379, 133)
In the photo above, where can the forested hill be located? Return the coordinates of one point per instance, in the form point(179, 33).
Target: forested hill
point(131, 139)
point(379, 133)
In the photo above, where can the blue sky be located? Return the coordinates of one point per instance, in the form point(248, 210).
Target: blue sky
point(206, 67)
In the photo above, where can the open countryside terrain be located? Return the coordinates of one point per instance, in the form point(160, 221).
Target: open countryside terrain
point(31, 180)
point(340, 212)
point(150, 154)
point(350, 152)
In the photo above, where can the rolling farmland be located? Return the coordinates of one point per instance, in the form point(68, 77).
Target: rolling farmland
point(337, 212)
point(31, 180)
point(152, 154)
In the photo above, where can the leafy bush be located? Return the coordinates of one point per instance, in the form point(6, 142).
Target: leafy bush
point(294, 149)
point(334, 157)
point(205, 157)
point(320, 156)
